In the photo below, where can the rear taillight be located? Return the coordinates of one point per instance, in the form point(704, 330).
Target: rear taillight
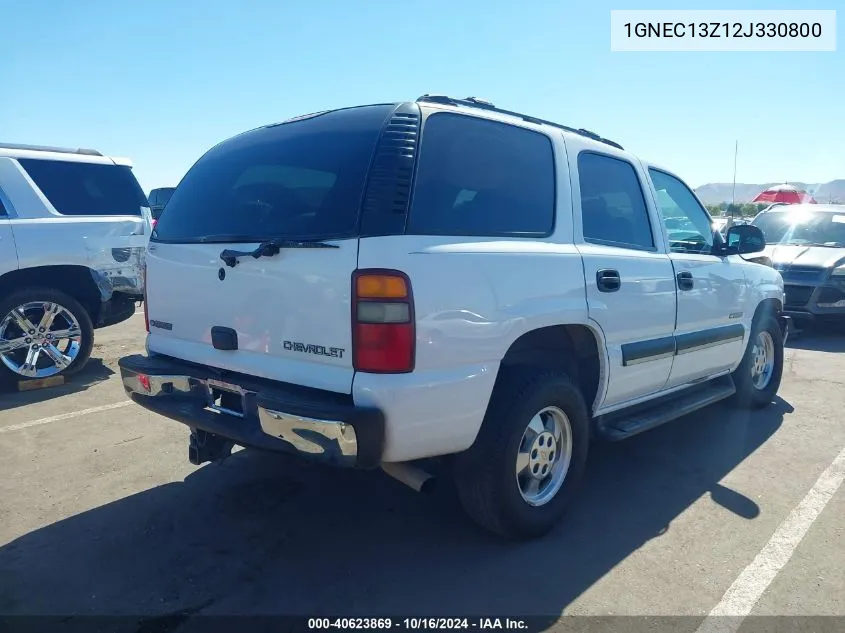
point(383, 332)
point(146, 310)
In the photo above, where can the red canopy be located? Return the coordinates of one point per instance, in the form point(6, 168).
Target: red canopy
point(784, 193)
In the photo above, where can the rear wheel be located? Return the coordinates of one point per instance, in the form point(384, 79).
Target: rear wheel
point(43, 333)
point(519, 476)
point(758, 376)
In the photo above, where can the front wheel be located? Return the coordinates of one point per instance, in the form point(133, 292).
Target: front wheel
point(758, 376)
point(523, 469)
point(43, 333)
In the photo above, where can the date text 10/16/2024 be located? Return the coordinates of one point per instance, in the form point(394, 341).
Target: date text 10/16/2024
point(418, 623)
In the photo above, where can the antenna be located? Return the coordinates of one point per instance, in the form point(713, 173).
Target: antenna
point(733, 189)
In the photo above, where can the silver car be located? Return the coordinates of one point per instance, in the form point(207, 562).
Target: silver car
point(806, 243)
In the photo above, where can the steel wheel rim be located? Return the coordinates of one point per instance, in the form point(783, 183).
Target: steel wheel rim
point(762, 360)
point(39, 339)
point(544, 456)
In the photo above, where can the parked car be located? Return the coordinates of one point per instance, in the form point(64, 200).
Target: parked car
point(806, 243)
point(73, 228)
point(158, 199)
point(393, 282)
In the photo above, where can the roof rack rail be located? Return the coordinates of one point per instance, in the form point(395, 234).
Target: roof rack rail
point(47, 148)
point(474, 102)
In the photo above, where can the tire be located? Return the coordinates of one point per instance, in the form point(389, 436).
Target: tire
point(79, 353)
point(486, 474)
point(751, 393)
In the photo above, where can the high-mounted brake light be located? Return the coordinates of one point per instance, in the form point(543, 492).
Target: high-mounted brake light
point(383, 330)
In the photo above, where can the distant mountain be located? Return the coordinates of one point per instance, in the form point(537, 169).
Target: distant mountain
point(714, 193)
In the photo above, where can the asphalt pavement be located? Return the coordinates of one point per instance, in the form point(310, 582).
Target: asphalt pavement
point(722, 512)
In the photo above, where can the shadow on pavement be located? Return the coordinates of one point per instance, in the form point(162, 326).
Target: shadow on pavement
point(818, 338)
point(260, 534)
point(94, 373)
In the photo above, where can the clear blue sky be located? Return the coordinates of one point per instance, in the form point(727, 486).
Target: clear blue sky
point(160, 81)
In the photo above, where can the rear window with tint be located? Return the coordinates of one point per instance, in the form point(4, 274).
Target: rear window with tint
point(87, 188)
point(298, 180)
point(482, 178)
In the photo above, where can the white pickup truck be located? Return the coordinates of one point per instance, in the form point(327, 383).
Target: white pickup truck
point(74, 226)
point(375, 285)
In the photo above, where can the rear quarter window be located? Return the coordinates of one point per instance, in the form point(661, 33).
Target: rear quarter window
point(303, 179)
point(78, 188)
point(477, 177)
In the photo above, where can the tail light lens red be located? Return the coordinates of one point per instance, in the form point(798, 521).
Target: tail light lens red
point(383, 330)
point(144, 380)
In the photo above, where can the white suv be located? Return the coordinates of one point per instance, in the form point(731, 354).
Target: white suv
point(374, 285)
point(73, 230)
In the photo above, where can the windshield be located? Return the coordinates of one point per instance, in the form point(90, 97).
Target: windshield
point(159, 197)
point(808, 228)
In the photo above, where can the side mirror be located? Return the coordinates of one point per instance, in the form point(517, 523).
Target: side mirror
point(742, 239)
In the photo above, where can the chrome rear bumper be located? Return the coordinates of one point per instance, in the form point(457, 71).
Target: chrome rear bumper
point(321, 426)
point(297, 429)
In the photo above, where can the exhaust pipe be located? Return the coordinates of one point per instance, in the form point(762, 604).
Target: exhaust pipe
point(411, 476)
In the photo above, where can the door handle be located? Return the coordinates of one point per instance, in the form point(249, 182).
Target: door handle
point(608, 280)
point(684, 280)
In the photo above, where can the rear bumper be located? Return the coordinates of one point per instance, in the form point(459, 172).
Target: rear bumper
point(116, 310)
point(319, 425)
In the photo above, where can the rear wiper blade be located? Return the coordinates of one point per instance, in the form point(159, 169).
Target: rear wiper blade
point(270, 248)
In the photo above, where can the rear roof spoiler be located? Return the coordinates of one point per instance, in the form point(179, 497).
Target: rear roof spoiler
point(48, 148)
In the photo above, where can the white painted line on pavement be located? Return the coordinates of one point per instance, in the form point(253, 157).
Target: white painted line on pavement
point(747, 589)
point(64, 416)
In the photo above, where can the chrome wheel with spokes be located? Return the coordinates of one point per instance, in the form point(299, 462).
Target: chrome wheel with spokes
point(762, 360)
point(39, 339)
point(545, 453)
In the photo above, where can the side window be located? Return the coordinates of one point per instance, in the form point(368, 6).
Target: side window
point(3, 212)
point(688, 226)
point(482, 178)
point(613, 207)
point(80, 188)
